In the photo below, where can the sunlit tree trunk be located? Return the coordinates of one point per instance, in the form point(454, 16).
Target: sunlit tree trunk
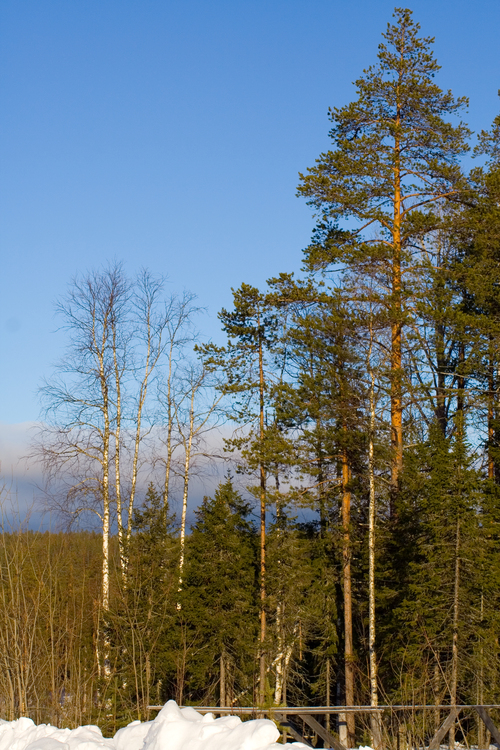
point(375, 717)
point(262, 472)
point(188, 444)
point(222, 687)
point(454, 648)
point(346, 571)
point(170, 425)
point(118, 424)
point(396, 325)
point(491, 414)
point(100, 348)
point(280, 658)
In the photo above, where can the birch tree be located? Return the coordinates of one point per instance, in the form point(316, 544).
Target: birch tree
point(97, 418)
point(81, 408)
point(149, 342)
point(181, 335)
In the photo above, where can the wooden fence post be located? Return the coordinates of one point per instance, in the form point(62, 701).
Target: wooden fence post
point(444, 728)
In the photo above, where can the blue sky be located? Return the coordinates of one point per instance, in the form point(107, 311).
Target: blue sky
point(170, 134)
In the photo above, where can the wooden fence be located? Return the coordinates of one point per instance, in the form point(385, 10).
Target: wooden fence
point(302, 723)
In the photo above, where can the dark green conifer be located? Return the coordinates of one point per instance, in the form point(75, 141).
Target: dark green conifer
point(219, 601)
point(246, 364)
point(145, 613)
point(440, 570)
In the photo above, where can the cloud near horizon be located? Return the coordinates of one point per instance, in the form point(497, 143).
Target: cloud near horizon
point(22, 497)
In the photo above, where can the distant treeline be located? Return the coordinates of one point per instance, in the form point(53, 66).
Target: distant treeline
point(195, 640)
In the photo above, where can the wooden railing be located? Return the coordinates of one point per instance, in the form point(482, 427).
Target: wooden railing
point(286, 718)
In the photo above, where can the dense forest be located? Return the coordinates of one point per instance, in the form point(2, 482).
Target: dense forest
point(364, 394)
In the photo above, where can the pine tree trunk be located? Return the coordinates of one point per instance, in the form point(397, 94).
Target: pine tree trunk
point(327, 717)
point(491, 414)
point(348, 639)
point(480, 687)
point(454, 651)
point(496, 418)
point(396, 332)
point(461, 390)
point(441, 381)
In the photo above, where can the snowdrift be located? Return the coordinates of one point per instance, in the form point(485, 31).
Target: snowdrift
point(173, 729)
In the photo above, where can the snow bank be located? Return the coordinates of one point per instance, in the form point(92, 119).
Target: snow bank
point(173, 729)
point(23, 734)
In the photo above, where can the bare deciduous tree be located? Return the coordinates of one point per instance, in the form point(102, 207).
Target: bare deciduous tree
point(101, 406)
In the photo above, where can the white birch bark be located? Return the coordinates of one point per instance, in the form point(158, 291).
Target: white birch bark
point(118, 420)
point(170, 425)
point(138, 436)
point(105, 492)
point(375, 717)
point(118, 330)
point(279, 660)
point(263, 493)
point(278, 687)
point(78, 441)
point(188, 444)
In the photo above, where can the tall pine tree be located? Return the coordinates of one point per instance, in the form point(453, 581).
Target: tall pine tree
point(395, 160)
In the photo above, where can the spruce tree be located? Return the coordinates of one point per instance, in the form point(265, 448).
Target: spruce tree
point(442, 564)
point(246, 366)
point(478, 236)
point(144, 616)
point(477, 275)
point(323, 405)
point(219, 599)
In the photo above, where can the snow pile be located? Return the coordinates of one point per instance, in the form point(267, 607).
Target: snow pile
point(23, 734)
point(173, 729)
